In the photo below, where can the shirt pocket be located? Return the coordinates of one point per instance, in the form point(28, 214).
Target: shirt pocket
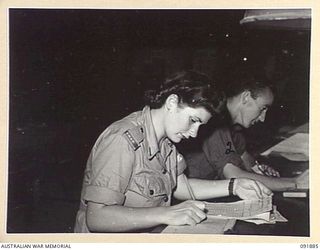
point(150, 185)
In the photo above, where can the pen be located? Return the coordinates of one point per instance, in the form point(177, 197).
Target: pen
point(189, 188)
point(263, 170)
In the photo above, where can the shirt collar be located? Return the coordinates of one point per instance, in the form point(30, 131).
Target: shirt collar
point(151, 138)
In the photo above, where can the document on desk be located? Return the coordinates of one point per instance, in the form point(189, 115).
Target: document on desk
point(240, 209)
point(254, 211)
point(268, 218)
point(294, 148)
point(222, 216)
point(209, 226)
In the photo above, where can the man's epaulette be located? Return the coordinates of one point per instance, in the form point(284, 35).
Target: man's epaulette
point(134, 136)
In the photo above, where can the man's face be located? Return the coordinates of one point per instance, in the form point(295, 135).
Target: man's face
point(254, 110)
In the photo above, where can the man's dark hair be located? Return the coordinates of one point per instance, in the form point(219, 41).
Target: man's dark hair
point(242, 81)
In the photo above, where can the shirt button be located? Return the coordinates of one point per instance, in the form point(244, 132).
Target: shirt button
point(164, 171)
point(165, 198)
point(151, 192)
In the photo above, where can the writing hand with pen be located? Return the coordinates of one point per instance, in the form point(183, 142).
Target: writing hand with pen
point(265, 169)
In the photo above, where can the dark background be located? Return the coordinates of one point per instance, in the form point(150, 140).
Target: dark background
point(73, 72)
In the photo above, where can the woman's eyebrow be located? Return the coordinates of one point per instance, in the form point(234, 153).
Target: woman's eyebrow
point(198, 119)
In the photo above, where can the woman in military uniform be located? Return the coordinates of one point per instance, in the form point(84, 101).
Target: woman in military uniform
point(134, 168)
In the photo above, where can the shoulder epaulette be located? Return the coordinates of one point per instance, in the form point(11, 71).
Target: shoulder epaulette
point(134, 136)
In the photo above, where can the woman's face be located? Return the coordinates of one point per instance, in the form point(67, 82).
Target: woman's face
point(183, 122)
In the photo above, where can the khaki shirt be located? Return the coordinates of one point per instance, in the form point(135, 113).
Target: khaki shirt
point(128, 167)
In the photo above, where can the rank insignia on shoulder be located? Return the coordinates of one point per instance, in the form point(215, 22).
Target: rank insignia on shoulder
point(134, 136)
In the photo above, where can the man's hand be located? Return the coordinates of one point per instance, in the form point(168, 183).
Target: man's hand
point(265, 169)
point(248, 189)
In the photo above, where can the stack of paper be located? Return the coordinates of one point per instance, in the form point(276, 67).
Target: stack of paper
point(239, 209)
point(209, 226)
point(255, 211)
point(222, 216)
point(267, 218)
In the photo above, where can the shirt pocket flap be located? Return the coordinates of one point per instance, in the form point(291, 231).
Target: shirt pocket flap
point(150, 185)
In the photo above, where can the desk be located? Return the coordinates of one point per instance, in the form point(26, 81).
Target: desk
point(296, 210)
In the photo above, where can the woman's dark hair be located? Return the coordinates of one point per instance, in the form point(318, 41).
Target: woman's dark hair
point(193, 89)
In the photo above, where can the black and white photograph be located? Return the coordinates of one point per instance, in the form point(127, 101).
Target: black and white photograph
point(159, 121)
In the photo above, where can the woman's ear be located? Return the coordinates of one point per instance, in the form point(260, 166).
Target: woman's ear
point(171, 102)
point(245, 96)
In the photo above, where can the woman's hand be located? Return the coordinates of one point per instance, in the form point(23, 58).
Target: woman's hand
point(248, 189)
point(186, 213)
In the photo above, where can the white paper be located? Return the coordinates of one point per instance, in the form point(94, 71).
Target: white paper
point(295, 147)
point(209, 226)
point(241, 209)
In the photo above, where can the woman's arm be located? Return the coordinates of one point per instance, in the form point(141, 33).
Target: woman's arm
point(116, 218)
point(274, 183)
point(208, 189)
point(202, 189)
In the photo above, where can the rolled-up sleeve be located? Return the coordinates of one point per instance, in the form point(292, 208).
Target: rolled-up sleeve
point(110, 168)
point(219, 150)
